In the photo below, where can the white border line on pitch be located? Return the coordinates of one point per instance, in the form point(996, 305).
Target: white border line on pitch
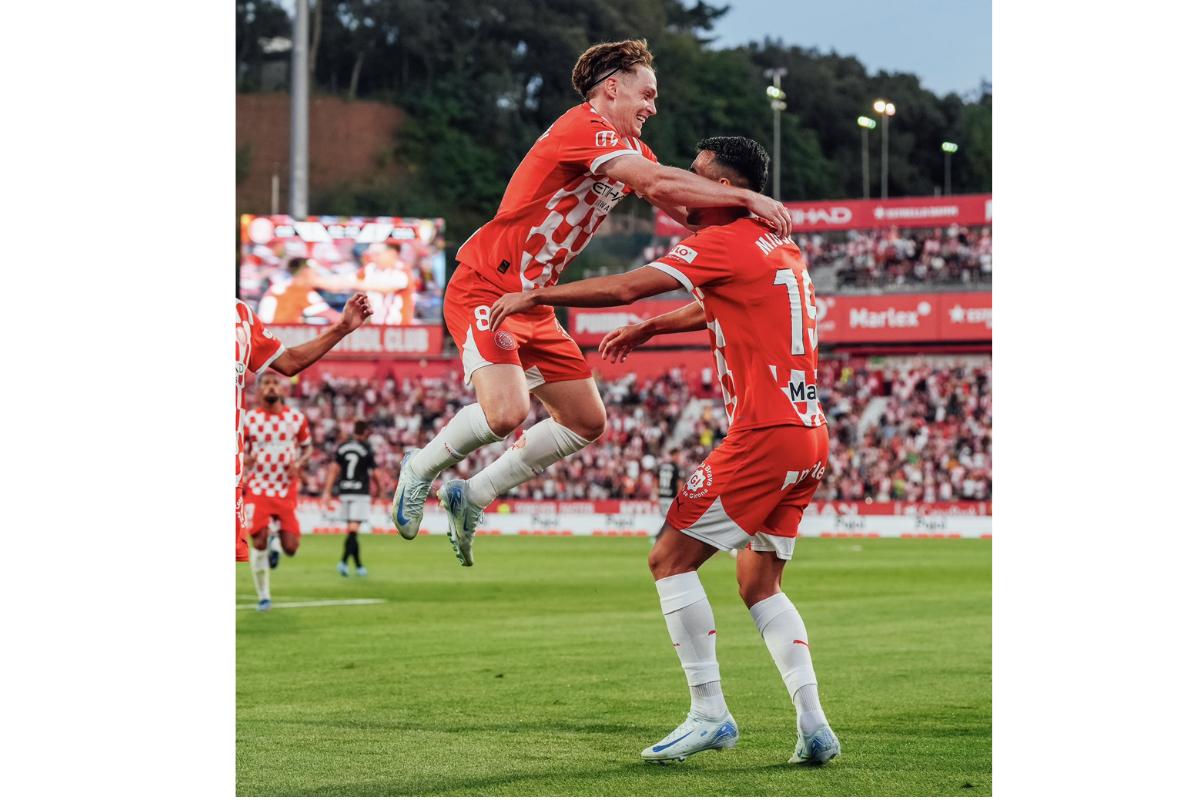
point(362, 601)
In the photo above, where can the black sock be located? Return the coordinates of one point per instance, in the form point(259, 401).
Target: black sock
point(352, 548)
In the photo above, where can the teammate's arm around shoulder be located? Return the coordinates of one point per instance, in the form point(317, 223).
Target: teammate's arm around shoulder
point(670, 188)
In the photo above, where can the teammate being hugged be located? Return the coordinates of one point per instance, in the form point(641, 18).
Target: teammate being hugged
point(353, 477)
point(755, 298)
point(575, 173)
point(278, 445)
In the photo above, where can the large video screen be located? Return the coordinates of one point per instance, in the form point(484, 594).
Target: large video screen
point(303, 271)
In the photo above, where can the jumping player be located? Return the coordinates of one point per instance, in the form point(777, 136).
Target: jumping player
point(757, 302)
point(353, 475)
point(278, 445)
point(575, 173)
point(255, 349)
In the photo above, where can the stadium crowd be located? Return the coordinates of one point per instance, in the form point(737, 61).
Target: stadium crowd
point(892, 258)
point(914, 431)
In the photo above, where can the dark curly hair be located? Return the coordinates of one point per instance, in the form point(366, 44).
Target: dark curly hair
point(745, 157)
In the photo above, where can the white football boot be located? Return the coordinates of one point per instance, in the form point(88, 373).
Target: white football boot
point(408, 503)
point(816, 748)
point(695, 735)
point(463, 517)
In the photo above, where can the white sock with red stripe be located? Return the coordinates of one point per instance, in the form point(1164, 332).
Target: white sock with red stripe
point(783, 630)
point(467, 431)
point(260, 569)
point(693, 632)
point(541, 446)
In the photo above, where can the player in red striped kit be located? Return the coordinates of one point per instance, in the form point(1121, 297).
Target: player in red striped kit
point(586, 162)
point(255, 349)
point(278, 445)
point(755, 298)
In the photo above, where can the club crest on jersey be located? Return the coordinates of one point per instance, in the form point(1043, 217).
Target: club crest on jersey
point(699, 483)
point(606, 139)
point(504, 340)
point(683, 253)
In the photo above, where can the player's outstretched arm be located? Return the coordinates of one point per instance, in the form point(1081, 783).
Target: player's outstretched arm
point(612, 290)
point(617, 345)
point(669, 188)
point(297, 358)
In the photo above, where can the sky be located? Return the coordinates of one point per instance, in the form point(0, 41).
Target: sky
point(947, 43)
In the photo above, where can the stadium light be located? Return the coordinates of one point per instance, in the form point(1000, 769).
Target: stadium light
point(867, 124)
point(298, 169)
point(776, 95)
point(948, 148)
point(885, 109)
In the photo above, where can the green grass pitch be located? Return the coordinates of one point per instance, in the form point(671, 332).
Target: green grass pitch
point(546, 668)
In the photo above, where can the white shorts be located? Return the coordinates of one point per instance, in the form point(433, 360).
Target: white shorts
point(355, 507)
point(664, 504)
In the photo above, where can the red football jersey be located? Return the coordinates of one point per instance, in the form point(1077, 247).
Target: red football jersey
point(553, 204)
point(274, 440)
point(762, 320)
point(255, 349)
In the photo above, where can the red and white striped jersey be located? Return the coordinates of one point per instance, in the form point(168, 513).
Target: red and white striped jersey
point(255, 349)
point(553, 204)
point(273, 440)
point(761, 310)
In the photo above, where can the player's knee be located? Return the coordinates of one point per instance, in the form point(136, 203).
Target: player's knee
point(290, 542)
point(665, 562)
point(590, 426)
point(504, 418)
point(754, 591)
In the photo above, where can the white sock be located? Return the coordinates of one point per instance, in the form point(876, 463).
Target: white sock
point(783, 630)
point(693, 631)
point(274, 545)
point(542, 445)
point(260, 568)
point(467, 431)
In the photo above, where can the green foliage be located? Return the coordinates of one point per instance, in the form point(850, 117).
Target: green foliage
point(546, 668)
point(479, 80)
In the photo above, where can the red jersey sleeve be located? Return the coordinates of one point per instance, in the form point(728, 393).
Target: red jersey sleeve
point(588, 140)
point(303, 436)
point(699, 260)
point(264, 347)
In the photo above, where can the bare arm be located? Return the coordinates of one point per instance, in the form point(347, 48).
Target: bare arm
point(617, 345)
point(612, 290)
point(298, 465)
point(330, 477)
point(297, 358)
point(671, 188)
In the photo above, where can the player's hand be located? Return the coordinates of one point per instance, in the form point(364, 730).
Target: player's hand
point(509, 304)
point(773, 212)
point(294, 471)
point(357, 310)
point(617, 345)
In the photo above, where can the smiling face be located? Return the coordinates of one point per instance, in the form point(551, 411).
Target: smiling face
point(633, 95)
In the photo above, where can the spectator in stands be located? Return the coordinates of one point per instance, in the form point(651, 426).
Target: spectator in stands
point(912, 431)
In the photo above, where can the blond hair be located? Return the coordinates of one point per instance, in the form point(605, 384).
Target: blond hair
point(601, 61)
